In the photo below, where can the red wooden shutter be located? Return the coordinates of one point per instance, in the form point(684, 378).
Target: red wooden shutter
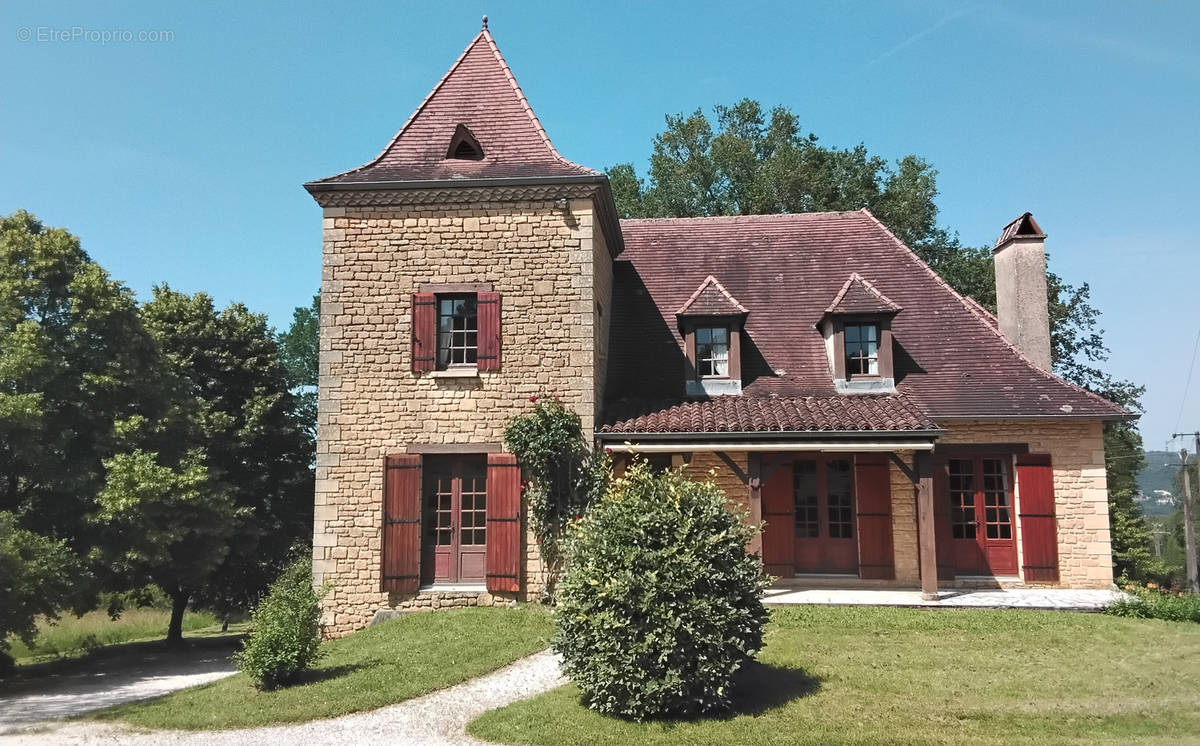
point(503, 523)
point(402, 523)
point(873, 491)
point(488, 305)
point(779, 511)
point(424, 332)
point(1039, 533)
point(942, 531)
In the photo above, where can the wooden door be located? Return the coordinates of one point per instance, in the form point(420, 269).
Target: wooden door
point(981, 515)
point(778, 551)
point(823, 503)
point(455, 517)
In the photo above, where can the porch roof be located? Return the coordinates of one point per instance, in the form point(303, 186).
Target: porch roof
point(779, 416)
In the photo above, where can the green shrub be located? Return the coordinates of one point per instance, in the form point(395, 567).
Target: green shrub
point(285, 630)
point(660, 604)
point(1153, 603)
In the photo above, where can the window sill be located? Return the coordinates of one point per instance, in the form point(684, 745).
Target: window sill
point(455, 373)
point(713, 387)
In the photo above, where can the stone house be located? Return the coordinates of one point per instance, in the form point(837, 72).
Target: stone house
point(887, 430)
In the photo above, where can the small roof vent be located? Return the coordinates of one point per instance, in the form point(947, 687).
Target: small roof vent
point(464, 146)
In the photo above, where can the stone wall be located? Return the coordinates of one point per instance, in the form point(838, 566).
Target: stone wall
point(1080, 488)
point(555, 283)
point(905, 547)
point(1081, 497)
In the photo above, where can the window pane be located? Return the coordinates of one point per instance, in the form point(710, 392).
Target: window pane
point(869, 332)
point(720, 334)
point(458, 325)
point(804, 495)
point(851, 334)
point(840, 499)
point(703, 336)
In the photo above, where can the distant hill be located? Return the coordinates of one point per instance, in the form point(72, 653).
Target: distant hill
point(1162, 467)
point(1159, 474)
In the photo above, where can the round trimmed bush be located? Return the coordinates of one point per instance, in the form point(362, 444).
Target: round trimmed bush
point(660, 604)
point(285, 630)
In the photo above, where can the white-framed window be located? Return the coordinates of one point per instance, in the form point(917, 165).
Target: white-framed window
point(712, 351)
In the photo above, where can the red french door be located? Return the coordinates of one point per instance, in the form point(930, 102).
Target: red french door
point(455, 520)
point(823, 500)
point(981, 515)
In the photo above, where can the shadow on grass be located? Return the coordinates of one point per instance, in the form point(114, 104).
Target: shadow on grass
point(762, 687)
point(759, 688)
point(317, 675)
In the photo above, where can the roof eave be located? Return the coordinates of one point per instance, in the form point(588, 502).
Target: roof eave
point(1112, 417)
point(318, 186)
point(779, 435)
point(606, 210)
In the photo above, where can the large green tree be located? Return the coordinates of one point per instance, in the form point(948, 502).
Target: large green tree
point(73, 359)
point(298, 351)
point(753, 161)
point(166, 523)
point(227, 442)
point(253, 434)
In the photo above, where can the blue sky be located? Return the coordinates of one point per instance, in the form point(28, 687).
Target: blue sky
point(181, 161)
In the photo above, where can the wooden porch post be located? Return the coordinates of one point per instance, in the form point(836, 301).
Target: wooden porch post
point(754, 466)
point(925, 531)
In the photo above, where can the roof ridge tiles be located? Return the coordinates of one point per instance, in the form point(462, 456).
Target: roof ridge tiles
point(714, 282)
point(425, 166)
point(738, 218)
point(856, 278)
point(976, 310)
point(420, 107)
point(537, 123)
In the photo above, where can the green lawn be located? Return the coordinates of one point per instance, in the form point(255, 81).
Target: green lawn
point(836, 675)
point(72, 636)
point(377, 666)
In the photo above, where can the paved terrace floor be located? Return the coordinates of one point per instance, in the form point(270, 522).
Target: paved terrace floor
point(1016, 598)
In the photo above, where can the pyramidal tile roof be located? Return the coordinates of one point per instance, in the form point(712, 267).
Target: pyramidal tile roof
point(478, 94)
point(858, 295)
point(711, 299)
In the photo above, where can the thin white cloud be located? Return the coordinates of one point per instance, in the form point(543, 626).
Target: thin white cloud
point(959, 13)
point(1047, 30)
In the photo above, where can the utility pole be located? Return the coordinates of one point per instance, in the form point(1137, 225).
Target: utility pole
point(1189, 527)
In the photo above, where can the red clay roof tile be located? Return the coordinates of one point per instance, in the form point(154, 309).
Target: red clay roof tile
point(711, 299)
point(950, 359)
point(480, 93)
point(860, 296)
point(783, 414)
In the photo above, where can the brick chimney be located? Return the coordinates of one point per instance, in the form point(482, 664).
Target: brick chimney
point(1020, 256)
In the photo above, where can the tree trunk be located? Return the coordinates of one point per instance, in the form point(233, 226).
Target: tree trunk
point(179, 603)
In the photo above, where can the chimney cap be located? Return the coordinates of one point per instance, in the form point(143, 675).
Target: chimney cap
point(1023, 227)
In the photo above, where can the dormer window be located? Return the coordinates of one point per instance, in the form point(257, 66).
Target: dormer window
point(711, 323)
point(464, 146)
point(712, 351)
point(857, 327)
point(862, 349)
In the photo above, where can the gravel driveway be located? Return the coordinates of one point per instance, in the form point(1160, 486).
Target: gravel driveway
point(438, 718)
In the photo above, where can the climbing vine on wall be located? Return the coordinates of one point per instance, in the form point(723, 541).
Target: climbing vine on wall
point(562, 473)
